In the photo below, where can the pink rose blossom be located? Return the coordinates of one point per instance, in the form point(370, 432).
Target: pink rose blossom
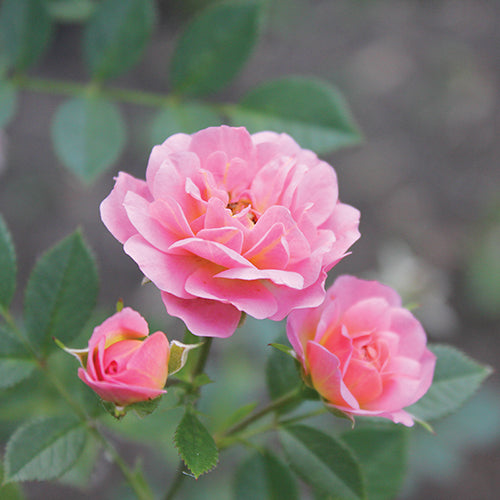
point(124, 364)
point(227, 222)
point(362, 351)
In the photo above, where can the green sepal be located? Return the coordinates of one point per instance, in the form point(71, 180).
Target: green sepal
point(179, 355)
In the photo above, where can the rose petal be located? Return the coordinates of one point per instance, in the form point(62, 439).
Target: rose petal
point(113, 212)
point(207, 318)
point(249, 296)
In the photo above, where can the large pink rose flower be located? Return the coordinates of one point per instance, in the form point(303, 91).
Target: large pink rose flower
point(362, 351)
point(123, 363)
point(227, 222)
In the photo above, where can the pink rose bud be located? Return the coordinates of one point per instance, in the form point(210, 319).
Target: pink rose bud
point(362, 351)
point(124, 364)
point(229, 223)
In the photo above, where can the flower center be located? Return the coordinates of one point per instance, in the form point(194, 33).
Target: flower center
point(241, 205)
point(112, 368)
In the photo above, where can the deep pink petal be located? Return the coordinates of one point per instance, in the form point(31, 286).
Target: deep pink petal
point(121, 395)
point(324, 368)
point(148, 365)
point(364, 381)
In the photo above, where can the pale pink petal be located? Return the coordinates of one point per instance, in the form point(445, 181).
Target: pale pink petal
point(230, 237)
point(113, 212)
point(168, 272)
point(249, 296)
point(211, 251)
point(344, 222)
point(127, 321)
point(238, 177)
point(235, 142)
point(349, 290)
point(170, 216)
point(318, 190)
point(271, 252)
point(206, 318)
point(278, 277)
point(148, 227)
point(267, 185)
point(288, 298)
point(412, 336)
point(366, 316)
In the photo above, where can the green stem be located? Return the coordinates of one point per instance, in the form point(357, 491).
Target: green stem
point(177, 482)
point(202, 357)
point(271, 407)
point(141, 490)
point(198, 369)
point(75, 89)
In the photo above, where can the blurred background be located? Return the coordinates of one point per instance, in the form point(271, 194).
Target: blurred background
point(422, 79)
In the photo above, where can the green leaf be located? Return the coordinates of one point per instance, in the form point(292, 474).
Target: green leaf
point(88, 135)
point(80, 475)
point(116, 36)
point(214, 47)
point(263, 476)
point(145, 408)
point(282, 377)
point(25, 30)
point(382, 453)
point(8, 102)
point(187, 117)
point(8, 266)
point(16, 363)
point(456, 379)
point(61, 293)
point(323, 462)
point(13, 371)
point(312, 111)
point(195, 445)
point(10, 491)
point(44, 449)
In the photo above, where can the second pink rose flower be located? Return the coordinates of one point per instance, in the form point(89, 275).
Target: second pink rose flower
point(227, 222)
point(362, 351)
